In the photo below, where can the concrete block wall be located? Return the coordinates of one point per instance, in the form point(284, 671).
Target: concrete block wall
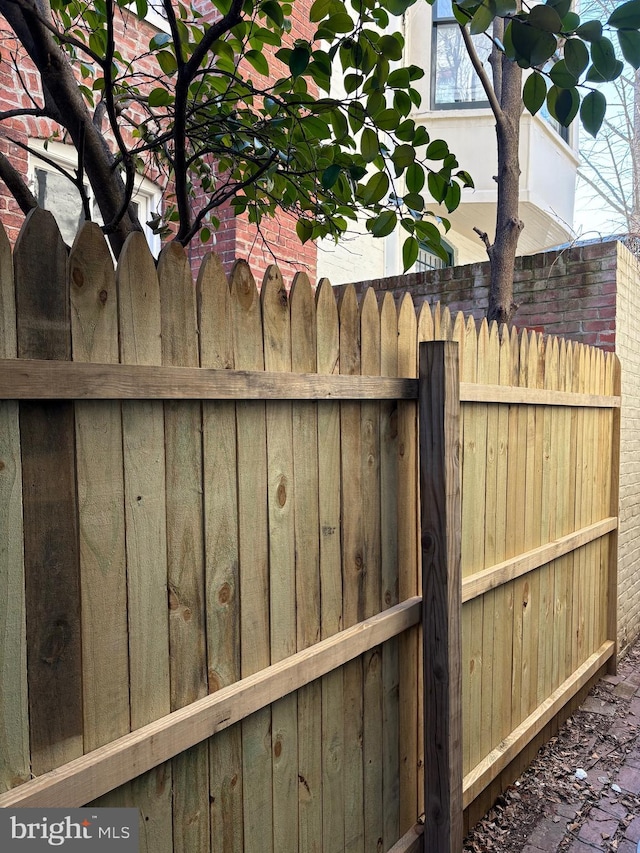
point(588, 293)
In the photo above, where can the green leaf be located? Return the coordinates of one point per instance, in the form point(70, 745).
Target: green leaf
point(376, 189)
point(410, 250)
point(563, 104)
point(545, 18)
point(437, 150)
point(167, 62)
point(258, 61)
point(576, 56)
point(560, 6)
point(592, 112)
point(369, 145)
point(570, 22)
point(604, 59)
point(534, 45)
point(391, 47)
point(534, 92)
point(626, 16)
point(505, 8)
point(383, 224)
point(630, 46)
point(330, 176)
point(590, 31)
point(304, 230)
point(452, 198)
point(299, 60)
point(437, 186)
point(159, 98)
point(387, 119)
point(482, 20)
point(561, 76)
point(159, 40)
point(319, 10)
point(414, 201)
point(465, 177)
point(142, 8)
point(403, 156)
point(415, 178)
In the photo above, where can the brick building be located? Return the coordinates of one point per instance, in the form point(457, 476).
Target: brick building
point(236, 237)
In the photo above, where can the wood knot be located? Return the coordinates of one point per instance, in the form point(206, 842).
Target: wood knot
point(78, 278)
point(224, 593)
point(281, 494)
point(103, 296)
point(277, 749)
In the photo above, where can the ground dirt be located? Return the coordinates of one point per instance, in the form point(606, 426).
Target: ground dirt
point(550, 808)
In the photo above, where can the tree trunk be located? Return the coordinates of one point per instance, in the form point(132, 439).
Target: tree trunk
point(502, 253)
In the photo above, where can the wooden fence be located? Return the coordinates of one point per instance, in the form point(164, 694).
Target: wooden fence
point(210, 549)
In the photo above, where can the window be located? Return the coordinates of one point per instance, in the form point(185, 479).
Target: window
point(57, 194)
point(455, 84)
point(428, 261)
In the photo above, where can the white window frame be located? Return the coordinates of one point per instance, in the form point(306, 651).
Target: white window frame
point(147, 195)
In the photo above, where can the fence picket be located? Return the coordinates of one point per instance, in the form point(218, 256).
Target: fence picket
point(14, 701)
point(51, 546)
point(221, 554)
point(352, 576)
point(282, 566)
point(105, 652)
point(410, 807)
point(185, 557)
point(307, 549)
point(255, 644)
point(146, 534)
point(329, 492)
point(389, 565)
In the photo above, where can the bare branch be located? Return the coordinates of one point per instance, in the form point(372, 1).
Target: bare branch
point(16, 185)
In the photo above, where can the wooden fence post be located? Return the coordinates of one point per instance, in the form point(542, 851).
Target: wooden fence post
point(439, 407)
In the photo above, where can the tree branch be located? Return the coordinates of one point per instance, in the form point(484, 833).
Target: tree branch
point(480, 70)
point(16, 185)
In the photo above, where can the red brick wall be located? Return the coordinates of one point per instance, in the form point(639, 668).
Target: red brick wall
point(570, 292)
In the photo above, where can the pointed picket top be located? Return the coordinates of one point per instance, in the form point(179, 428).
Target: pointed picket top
point(138, 303)
point(303, 325)
point(608, 372)
point(214, 308)
point(389, 336)
point(93, 295)
point(458, 333)
point(505, 356)
point(470, 350)
point(437, 336)
point(514, 343)
point(534, 376)
point(42, 303)
point(178, 308)
point(8, 342)
point(446, 324)
point(425, 323)
point(407, 338)
point(562, 364)
point(482, 352)
point(349, 332)
point(492, 376)
point(523, 358)
point(552, 355)
point(369, 334)
point(246, 316)
point(328, 336)
point(275, 321)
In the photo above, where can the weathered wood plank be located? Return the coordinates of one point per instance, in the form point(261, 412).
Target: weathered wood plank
point(185, 557)
point(371, 532)
point(389, 487)
point(51, 546)
point(329, 491)
point(255, 641)
point(105, 644)
point(352, 577)
point(307, 550)
point(14, 701)
point(221, 554)
point(282, 562)
point(47, 380)
point(146, 534)
point(440, 501)
point(408, 568)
